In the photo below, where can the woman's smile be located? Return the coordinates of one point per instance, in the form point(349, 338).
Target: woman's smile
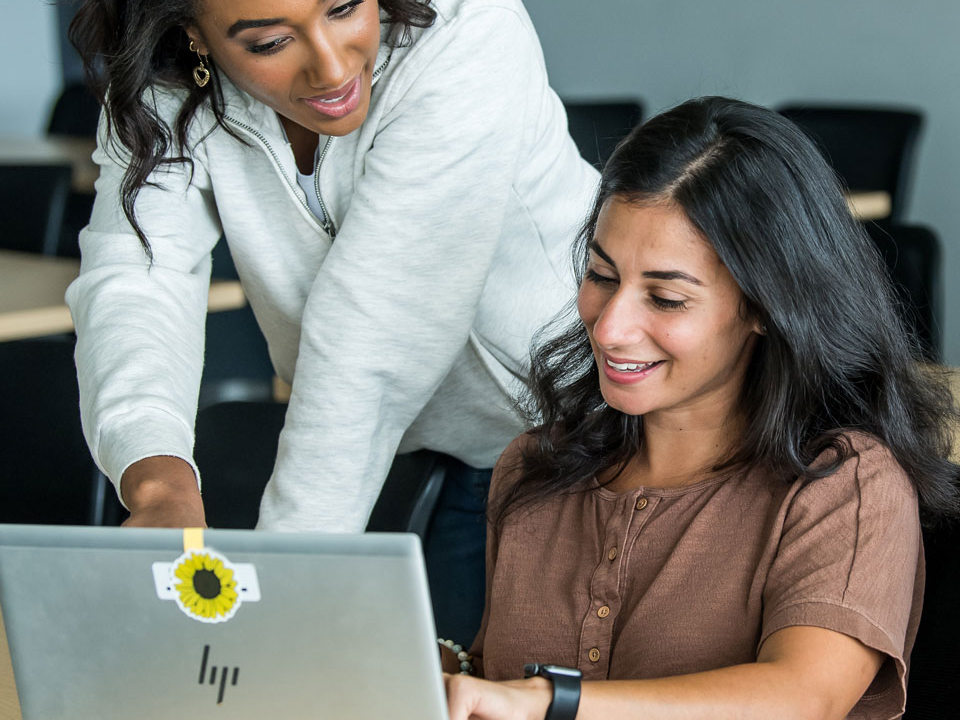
point(626, 372)
point(339, 103)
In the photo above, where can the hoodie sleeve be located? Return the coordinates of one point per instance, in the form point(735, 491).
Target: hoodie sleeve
point(397, 295)
point(140, 327)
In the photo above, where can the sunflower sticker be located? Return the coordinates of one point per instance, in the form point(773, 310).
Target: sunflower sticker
point(205, 585)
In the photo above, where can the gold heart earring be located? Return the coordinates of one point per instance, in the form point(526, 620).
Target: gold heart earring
point(201, 76)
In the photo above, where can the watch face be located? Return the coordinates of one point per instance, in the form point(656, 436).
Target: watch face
point(560, 670)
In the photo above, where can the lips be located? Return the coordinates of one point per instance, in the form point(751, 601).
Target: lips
point(337, 103)
point(627, 372)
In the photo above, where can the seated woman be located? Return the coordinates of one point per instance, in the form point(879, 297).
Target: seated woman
point(719, 516)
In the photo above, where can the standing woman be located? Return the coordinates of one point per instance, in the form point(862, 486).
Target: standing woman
point(398, 189)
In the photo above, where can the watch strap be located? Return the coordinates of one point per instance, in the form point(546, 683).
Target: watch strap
point(566, 689)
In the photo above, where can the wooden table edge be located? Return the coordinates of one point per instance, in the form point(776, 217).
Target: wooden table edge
point(9, 700)
point(37, 322)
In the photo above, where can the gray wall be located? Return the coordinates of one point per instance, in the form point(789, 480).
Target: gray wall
point(29, 66)
point(774, 51)
point(665, 51)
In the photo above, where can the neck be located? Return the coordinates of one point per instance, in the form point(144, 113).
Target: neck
point(304, 143)
point(679, 449)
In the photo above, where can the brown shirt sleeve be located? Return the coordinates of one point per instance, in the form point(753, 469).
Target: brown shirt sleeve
point(869, 589)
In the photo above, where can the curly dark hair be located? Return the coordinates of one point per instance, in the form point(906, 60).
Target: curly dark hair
point(835, 356)
point(129, 46)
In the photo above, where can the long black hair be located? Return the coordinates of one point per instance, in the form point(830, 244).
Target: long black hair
point(835, 356)
point(131, 46)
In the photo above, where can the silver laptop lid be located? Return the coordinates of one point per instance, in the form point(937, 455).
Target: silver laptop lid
point(119, 623)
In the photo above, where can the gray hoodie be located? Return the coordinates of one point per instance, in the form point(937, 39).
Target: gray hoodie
point(407, 324)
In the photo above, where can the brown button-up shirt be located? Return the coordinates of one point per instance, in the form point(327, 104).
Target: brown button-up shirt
point(660, 582)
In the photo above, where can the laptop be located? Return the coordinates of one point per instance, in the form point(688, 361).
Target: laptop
point(157, 624)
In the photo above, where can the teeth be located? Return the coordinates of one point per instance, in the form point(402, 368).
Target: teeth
point(630, 367)
point(333, 100)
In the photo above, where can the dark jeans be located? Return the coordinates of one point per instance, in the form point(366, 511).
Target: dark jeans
point(456, 552)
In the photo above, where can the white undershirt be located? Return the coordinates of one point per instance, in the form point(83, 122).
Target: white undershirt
point(306, 181)
point(307, 184)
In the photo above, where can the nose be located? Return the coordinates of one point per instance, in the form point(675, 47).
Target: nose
point(327, 66)
point(621, 322)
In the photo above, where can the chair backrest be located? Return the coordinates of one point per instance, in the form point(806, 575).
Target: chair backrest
point(410, 493)
point(870, 148)
point(46, 473)
point(597, 127)
point(33, 199)
point(235, 449)
point(913, 257)
point(236, 363)
point(933, 692)
point(75, 113)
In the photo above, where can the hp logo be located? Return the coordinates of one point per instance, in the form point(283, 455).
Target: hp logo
point(217, 674)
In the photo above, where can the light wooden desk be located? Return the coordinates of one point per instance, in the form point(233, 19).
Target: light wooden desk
point(74, 152)
point(869, 205)
point(32, 288)
point(9, 703)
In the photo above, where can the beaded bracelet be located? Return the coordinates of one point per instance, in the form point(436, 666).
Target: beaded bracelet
point(466, 660)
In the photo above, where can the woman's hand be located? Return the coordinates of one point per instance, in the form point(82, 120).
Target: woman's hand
point(470, 698)
point(162, 492)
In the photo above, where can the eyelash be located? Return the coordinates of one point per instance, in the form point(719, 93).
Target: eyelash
point(659, 302)
point(268, 48)
point(340, 12)
point(347, 9)
point(599, 279)
point(665, 304)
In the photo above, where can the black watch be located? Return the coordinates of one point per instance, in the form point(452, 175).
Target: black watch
point(566, 689)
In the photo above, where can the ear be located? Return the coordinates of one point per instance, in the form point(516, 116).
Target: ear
point(759, 328)
point(194, 36)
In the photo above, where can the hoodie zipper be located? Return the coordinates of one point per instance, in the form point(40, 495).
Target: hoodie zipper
point(328, 224)
point(276, 159)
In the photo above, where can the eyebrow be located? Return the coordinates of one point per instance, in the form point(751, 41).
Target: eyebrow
point(671, 275)
point(241, 25)
point(649, 274)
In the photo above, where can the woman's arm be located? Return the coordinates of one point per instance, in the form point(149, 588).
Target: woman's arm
point(801, 673)
point(140, 328)
point(162, 491)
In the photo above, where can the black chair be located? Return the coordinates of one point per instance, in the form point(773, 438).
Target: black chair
point(597, 127)
point(870, 148)
point(236, 363)
point(46, 475)
point(913, 257)
point(933, 692)
point(33, 200)
point(235, 449)
point(75, 113)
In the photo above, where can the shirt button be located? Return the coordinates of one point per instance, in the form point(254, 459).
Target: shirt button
point(612, 555)
point(594, 654)
point(604, 611)
point(641, 503)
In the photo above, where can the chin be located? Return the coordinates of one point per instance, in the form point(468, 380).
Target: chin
point(626, 405)
point(345, 125)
